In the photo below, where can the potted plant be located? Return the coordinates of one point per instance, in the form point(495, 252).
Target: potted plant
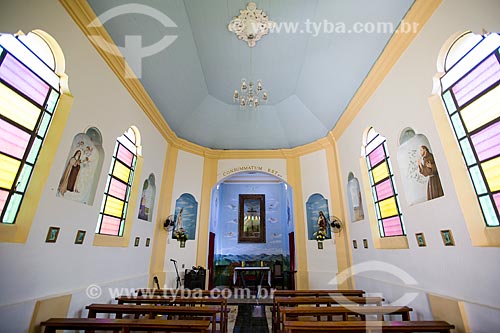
point(181, 236)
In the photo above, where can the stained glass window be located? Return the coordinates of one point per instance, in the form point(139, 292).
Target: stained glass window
point(117, 194)
point(385, 196)
point(471, 94)
point(29, 92)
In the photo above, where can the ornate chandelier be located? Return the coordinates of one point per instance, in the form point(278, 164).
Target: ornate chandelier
point(250, 95)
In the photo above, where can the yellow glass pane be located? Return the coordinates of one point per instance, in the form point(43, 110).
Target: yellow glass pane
point(482, 110)
point(380, 172)
point(18, 109)
point(121, 172)
point(113, 207)
point(491, 171)
point(8, 171)
point(388, 207)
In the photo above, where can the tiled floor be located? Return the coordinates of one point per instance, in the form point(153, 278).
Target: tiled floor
point(249, 319)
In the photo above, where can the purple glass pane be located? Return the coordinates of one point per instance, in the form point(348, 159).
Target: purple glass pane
point(3, 198)
point(384, 190)
point(496, 197)
point(377, 155)
point(125, 155)
point(117, 189)
point(392, 226)
point(13, 140)
point(482, 77)
point(487, 142)
point(110, 225)
point(20, 77)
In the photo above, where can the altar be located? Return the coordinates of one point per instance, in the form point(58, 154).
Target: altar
point(260, 271)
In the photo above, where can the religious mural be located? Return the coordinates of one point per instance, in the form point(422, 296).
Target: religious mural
point(147, 200)
point(186, 214)
point(418, 168)
point(83, 166)
point(354, 199)
point(314, 205)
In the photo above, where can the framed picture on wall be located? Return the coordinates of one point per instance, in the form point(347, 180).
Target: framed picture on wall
point(52, 234)
point(447, 237)
point(420, 239)
point(80, 236)
point(252, 218)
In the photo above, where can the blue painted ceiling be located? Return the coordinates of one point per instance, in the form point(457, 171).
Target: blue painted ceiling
point(310, 76)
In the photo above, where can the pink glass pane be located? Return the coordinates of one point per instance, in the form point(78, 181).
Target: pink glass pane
point(13, 140)
point(110, 225)
point(17, 75)
point(487, 142)
point(377, 155)
point(118, 189)
point(3, 198)
point(496, 197)
point(392, 226)
point(384, 189)
point(477, 81)
point(125, 155)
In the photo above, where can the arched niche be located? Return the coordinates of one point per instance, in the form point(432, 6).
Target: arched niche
point(316, 203)
point(147, 199)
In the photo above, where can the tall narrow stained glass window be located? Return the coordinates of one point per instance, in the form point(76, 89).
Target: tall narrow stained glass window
point(117, 193)
point(29, 93)
point(385, 197)
point(471, 94)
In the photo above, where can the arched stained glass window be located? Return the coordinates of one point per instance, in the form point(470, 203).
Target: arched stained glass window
point(117, 193)
point(385, 197)
point(29, 93)
point(471, 94)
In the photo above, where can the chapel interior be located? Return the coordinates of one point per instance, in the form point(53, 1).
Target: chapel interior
point(301, 147)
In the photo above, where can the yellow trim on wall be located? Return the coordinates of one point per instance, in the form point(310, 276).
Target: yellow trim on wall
point(396, 242)
point(208, 182)
point(18, 232)
point(116, 241)
point(419, 13)
point(449, 310)
point(157, 260)
point(294, 179)
point(480, 234)
point(338, 201)
point(53, 307)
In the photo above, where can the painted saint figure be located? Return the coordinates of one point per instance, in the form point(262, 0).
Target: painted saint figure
point(69, 178)
point(427, 167)
point(322, 221)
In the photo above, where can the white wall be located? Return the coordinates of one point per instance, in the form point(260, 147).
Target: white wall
point(321, 264)
point(188, 179)
point(38, 269)
point(463, 272)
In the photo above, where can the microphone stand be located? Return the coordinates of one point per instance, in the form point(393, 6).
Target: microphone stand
point(178, 280)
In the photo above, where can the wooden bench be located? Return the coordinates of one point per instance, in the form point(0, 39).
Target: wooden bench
point(221, 303)
point(289, 313)
point(152, 311)
point(318, 293)
point(368, 326)
point(318, 301)
point(125, 325)
point(215, 293)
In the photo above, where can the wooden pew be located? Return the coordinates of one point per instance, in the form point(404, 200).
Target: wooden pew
point(152, 311)
point(292, 313)
point(221, 303)
point(368, 326)
point(318, 293)
point(215, 293)
point(125, 325)
point(327, 301)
